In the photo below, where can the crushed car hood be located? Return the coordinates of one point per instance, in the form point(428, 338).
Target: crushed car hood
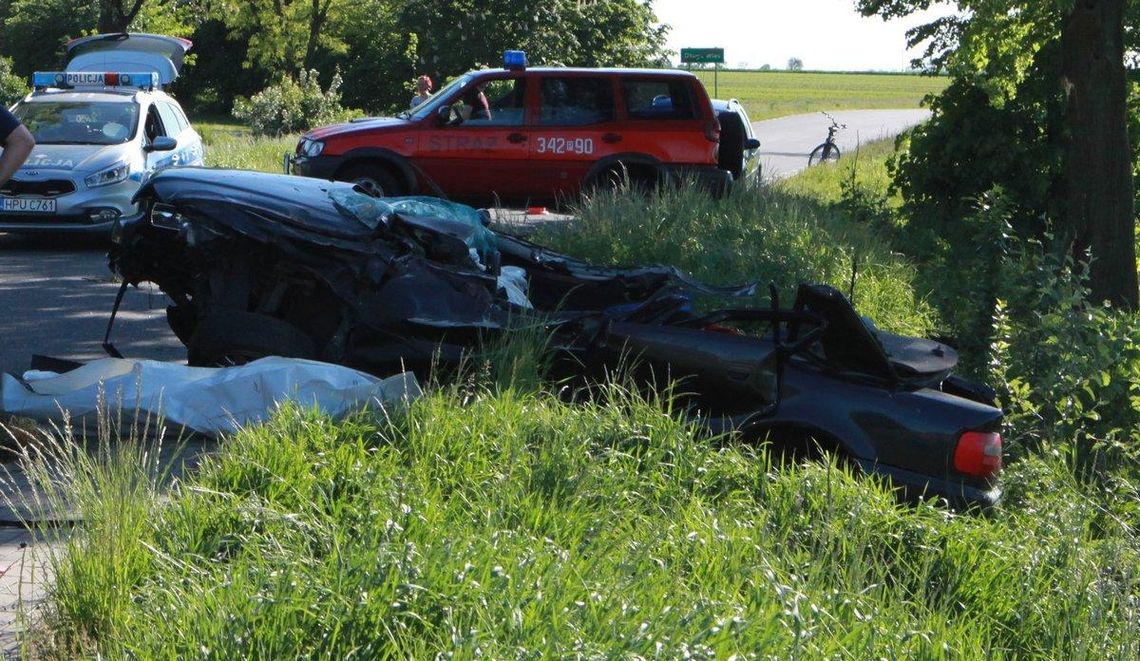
point(259, 205)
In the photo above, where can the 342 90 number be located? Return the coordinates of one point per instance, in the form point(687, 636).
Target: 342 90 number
point(565, 145)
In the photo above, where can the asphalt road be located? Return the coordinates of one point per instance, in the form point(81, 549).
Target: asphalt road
point(786, 142)
point(56, 296)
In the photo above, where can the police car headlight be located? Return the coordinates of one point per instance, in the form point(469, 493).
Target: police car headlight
point(112, 175)
point(312, 148)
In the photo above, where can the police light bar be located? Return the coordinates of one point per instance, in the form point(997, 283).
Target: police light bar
point(68, 79)
point(514, 59)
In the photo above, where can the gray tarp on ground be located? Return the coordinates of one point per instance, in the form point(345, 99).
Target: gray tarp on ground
point(207, 400)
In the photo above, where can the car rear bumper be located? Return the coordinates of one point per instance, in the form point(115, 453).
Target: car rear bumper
point(915, 486)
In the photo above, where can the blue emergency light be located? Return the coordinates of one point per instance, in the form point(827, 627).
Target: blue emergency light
point(70, 79)
point(514, 59)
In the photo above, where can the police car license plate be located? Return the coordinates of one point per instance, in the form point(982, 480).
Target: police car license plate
point(27, 205)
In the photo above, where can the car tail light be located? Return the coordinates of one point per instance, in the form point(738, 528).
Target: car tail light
point(712, 130)
point(978, 453)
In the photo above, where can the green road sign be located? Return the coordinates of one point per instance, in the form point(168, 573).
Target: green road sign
point(702, 56)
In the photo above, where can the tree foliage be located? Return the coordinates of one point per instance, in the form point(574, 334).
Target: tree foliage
point(380, 61)
point(456, 35)
point(12, 87)
point(33, 32)
point(1041, 80)
point(284, 35)
point(117, 15)
point(377, 46)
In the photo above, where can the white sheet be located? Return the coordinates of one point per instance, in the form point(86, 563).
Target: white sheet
point(205, 399)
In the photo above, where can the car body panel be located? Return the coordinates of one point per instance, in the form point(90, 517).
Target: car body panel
point(548, 130)
point(415, 282)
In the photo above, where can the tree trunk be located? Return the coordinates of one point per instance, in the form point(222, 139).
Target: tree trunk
point(109, 20)
point(1098, 207)
point(316, 21)
point(114, 16)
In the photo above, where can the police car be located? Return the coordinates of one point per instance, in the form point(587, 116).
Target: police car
point(102, 126)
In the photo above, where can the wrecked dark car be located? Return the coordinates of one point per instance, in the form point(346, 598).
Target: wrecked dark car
point(258, 264)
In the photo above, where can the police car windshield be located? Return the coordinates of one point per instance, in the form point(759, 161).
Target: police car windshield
point(430, 106)
point(79, 122)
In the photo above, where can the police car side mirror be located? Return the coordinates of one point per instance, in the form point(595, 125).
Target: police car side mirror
point(162, 143)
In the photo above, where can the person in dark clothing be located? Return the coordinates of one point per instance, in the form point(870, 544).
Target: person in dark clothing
point(477, 105)
point(16, 142)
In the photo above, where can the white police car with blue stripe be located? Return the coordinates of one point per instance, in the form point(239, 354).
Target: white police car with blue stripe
point(102, 127)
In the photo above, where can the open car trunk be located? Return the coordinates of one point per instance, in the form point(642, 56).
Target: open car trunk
point(132, 52)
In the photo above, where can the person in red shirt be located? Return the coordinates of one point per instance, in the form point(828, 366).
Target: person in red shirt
point(16, 142)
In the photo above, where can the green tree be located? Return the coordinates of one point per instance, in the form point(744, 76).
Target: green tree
point(379, 61)
point(116, 15)
point(33, 32)
point(284, 36)
point(454, 36)
point(12, 87)
point(795, 64)
point(994, 46)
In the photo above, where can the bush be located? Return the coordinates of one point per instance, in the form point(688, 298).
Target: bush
point(290, 106)
point(1069, 370)
point(12, 87)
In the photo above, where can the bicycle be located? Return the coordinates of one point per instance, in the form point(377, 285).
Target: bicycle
point(828, 150)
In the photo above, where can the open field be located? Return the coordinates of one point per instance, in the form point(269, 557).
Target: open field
point(768, 94)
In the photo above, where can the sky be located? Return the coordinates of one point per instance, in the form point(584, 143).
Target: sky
point(827, 35)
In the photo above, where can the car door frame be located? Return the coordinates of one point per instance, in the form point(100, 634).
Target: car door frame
point(484, 162)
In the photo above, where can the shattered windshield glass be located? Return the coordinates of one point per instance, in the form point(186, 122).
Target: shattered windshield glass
point(370, 211)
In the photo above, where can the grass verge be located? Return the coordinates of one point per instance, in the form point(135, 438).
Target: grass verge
point(500, 523)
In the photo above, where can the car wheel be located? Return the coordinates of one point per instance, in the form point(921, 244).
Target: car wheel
point(622, 177)
point(235, 337)
point(374, 180)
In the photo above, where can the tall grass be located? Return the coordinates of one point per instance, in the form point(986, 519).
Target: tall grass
point(232, 145)
point(488, 522)
point(757, 234)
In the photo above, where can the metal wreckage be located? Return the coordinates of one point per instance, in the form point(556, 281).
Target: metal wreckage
point(259, 264)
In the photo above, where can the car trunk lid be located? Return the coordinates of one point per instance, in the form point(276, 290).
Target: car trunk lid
point(129, 52)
